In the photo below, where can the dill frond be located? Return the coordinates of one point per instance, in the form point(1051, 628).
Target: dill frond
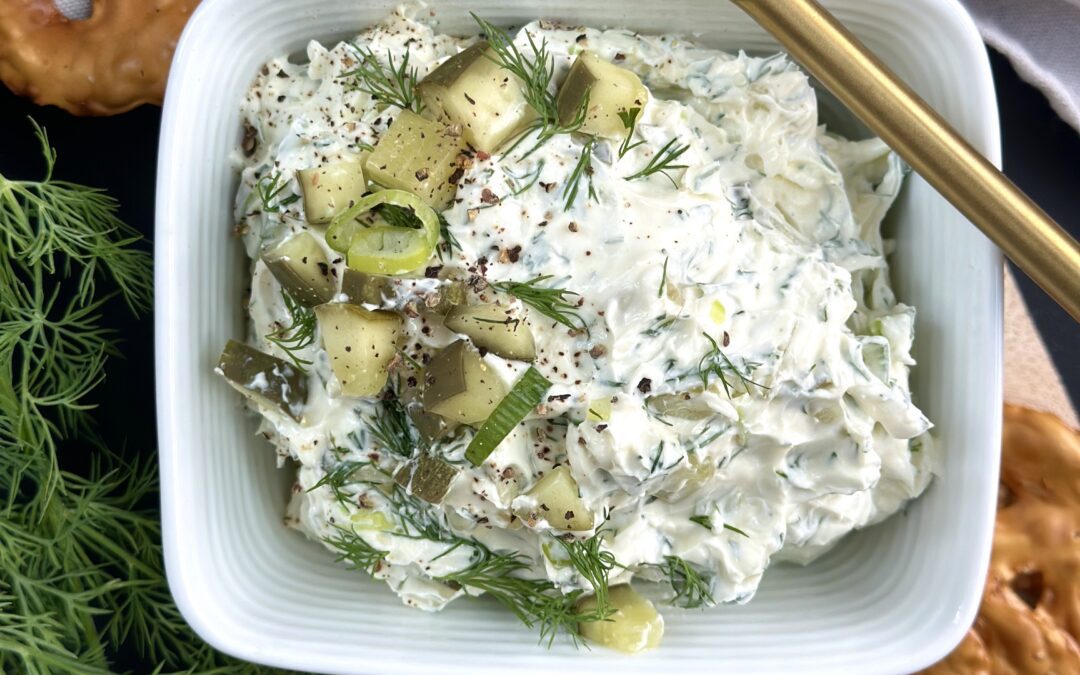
point(662, 162)
point(551, 302)
point(269, 189)
point(716, 362)
point(594, 565)
point(390, 83)
point(629, 121)
point(691, 589)
point(582, 170)
point(297, 335)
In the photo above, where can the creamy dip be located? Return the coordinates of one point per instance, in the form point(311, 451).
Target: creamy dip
point(762, 257)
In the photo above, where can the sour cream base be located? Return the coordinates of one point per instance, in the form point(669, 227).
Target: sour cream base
point(763, 257)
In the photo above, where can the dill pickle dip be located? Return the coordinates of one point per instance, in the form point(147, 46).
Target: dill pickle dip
point(629, 321)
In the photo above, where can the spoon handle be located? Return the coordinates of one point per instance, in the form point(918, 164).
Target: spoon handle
point(1023, 231)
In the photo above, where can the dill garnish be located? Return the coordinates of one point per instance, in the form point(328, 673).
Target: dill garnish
point(392, 428)
point(583, 169)
point(551, 302)
point(594, 565)
point(394, 84)
point(450, 242)
point(268, 188)
point(704, 521)
point(691, 589)
point(298, 334)
point(354, 549)
point(403, 216)
point(517, 186)
point(663, 279)
point(535, 72)
point(735, 530)
point(716, 362)
point(662, 162)
point(629, 120)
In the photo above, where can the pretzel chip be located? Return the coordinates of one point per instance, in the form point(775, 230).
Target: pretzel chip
point(1029, 620)
point(115, 60)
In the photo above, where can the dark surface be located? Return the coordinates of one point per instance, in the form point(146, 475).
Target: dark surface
point(1042, 154)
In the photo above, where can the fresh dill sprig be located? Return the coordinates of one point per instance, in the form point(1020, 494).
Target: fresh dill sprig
point(81, 567)
point(662, 162)
point(519, 184)
point(716, 362)
point(450, 242)
point(392, 428)
point(535, 602)
point(535, 72)
point(629, 120)
point(394, 84)
point(551, 302)
point(268, 188)
point(337, 478)
point(735, 530)
point(594, 565)
point(704, 521)
point(355, 550)
point(582, 170)
point(297, 335)
point(690, 587)
point(663, 279)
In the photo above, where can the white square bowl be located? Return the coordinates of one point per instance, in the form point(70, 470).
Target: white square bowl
point(890, 599)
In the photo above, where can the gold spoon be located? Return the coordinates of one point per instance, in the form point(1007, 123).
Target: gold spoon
point(1023, 231)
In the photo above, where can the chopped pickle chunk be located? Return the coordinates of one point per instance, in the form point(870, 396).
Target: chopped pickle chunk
point(460, 387)
point(267, 380)
point(368, 519)
point(428, 477)
point(555, 498)
point(432, 427)
point(634, 626)
point(366, 289)
point(329, 190)
point(473, 90)
point(610, 89)
point(300, 265)
point(419, 156)
point(360, 344)
point(493, 328)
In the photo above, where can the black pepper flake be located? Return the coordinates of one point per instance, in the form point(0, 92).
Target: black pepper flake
point(581, 38)
point(569, 515)
point(558, 397)
point(542, 223)
point(645, 385)
point(411, 381)
point(470, 99)
point(488, 197)
point(250, 140)
point(483, 351)
point(726, 339)
point(573, 226)
point(281, 98)
point(433, 271)
point(601, 427)
point(456, 176)
point(324, 269)
point(514, 254)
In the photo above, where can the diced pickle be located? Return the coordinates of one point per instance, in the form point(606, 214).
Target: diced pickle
point(267, 380)
point(634, 626)
point(419, 156)
point(555, 498)
point(472, 90)
point(451, 295)
point(329, 190)
point(460, 387)
point(432, 427)
point(360, 344)
point(368, 519)
point(493, 328)
point(362, 288)
point(610, 89)
point(428, 477)
point(300, 265)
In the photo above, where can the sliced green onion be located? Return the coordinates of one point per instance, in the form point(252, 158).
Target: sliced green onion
point(385, 249)
point(526, 394)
